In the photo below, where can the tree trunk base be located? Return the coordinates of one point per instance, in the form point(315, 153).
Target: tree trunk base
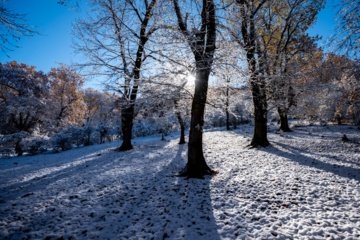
point(259, 143)
point(285, 129)
point(196, 173)
point(125, 147)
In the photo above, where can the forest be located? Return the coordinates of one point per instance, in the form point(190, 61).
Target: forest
point(215, 120)
point(162, 62)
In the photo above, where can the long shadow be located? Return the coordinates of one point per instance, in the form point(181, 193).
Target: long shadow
point(297, 155)
point(180, 208)
point(323, 154)
point(31, 181)
point(333, 132)
point(192, 205)
point(114, 196)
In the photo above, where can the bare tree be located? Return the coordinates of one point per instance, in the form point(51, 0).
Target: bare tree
point(13, 27)
point(230, 75)
point(247, 37)
point(114, 41)
point(267, 31)
point(202, 44)
point(282, 39)
point(348, 28)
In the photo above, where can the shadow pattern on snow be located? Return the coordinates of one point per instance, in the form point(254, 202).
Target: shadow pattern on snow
point(109, 195)
point(324, 162)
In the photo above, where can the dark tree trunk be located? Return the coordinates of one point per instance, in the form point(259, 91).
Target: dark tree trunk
point(227, 103)
point(127, 116)
point(338, 118)
point(257, 82)
point(260, 114)
point(284, 123)
point(202, 44)
point(196, 166)
point(181, 122)
point(18, 148)
point(182, 134)
point(182, 129)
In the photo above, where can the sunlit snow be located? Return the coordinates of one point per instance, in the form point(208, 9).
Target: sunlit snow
point(304, 186)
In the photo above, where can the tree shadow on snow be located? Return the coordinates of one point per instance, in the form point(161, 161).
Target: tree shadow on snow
point(169, 206)
point(28, 178)
point(297, 155)
point(112, 195)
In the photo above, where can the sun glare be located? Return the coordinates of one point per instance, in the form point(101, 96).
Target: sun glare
point(190, 79)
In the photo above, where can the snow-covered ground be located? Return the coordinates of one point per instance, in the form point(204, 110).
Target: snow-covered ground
point(304, 186)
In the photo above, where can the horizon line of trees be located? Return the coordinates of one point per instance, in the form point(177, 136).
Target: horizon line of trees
point(42, 111)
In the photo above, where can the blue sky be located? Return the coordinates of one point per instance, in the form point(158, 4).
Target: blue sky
point(54, 22)
point(53, 45)
point(325, 24)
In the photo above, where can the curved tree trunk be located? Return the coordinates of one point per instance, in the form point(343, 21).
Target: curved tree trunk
point(127, 114)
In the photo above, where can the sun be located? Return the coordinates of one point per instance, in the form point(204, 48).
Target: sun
point(190, 79)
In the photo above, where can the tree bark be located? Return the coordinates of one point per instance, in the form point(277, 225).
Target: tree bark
point(182, 134)
point(202, 44)
point(127, 116)
point(181, 122)
point(284, 123)
point(227, 105)
point(260, 113)
point(196, 166)
point(182, 128)
point(18, 148)
point(256, 64)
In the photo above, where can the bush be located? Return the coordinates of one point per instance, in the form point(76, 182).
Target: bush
point(62, 142)
point(36, 146)
point(13, 143)
point(68, 138)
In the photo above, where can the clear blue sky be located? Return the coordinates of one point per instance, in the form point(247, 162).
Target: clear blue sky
point(54, 22)
point(325, 24)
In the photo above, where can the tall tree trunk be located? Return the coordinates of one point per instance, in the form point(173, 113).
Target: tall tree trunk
point(18, 148)
point(260, 113)
point(202, 44)
point(181, 122)
point(196, 166)
point(256, 64)
point(182, 134)
point(127, 117)
point(182, 128)
point(227, 103)
point(284, 123)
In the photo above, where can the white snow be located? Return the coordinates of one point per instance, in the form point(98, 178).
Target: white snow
point(304, 186)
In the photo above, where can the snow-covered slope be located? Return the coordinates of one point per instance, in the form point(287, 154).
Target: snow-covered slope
point(304, 186)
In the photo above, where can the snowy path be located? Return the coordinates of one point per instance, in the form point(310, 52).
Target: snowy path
point(305, 186)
